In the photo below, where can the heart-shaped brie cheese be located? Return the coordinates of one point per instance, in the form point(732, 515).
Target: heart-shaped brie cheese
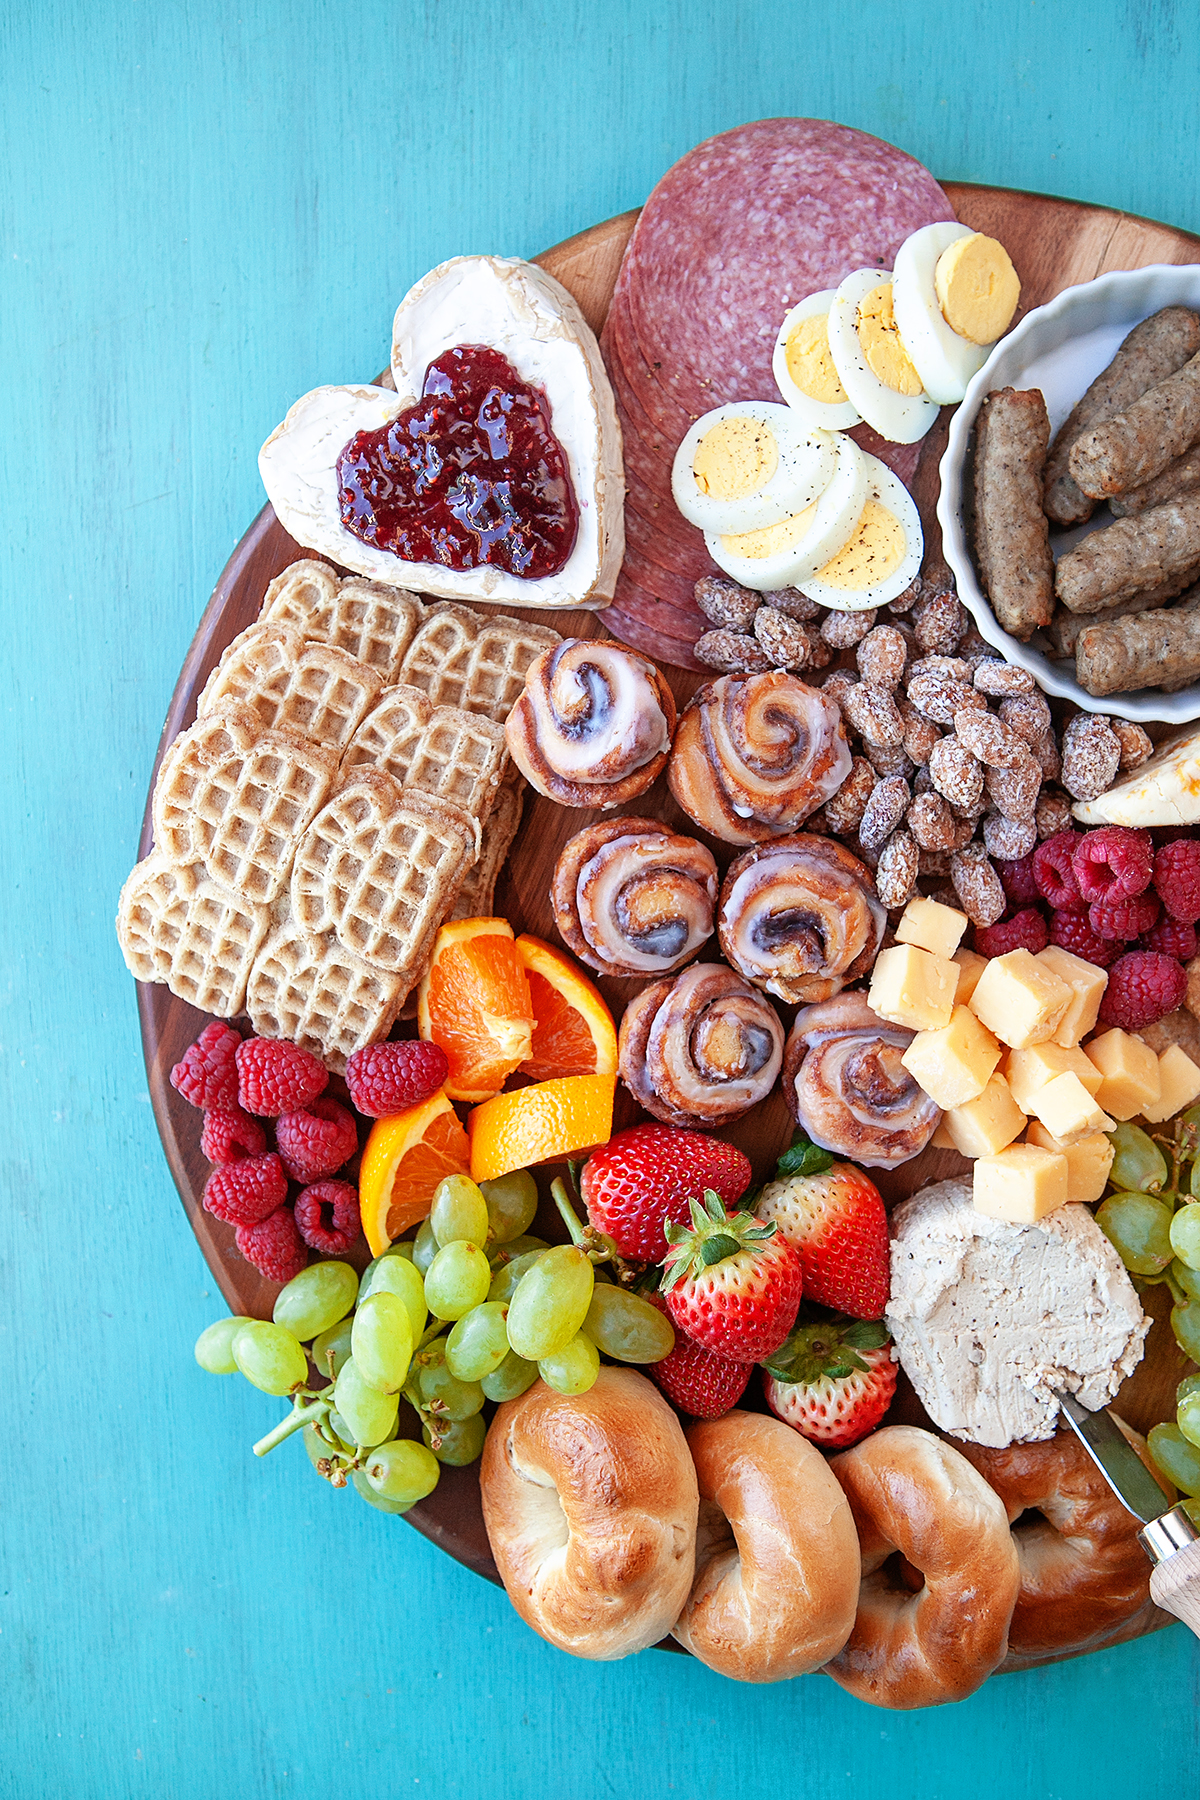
point(517, 309)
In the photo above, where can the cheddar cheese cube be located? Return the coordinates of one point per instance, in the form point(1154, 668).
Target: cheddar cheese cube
point(1129, 1070)
point(970, 967)
point(1088, 1161)
point(982, 1126)
point(1020, 999)
point(1021, 1184)
point(1087, 984)
point(1179, 1085)
point(1029, 1071)
point(941, 1139)
point(913, 987)
point(932, 926)
point(953, 1065)
point(1067, 1109)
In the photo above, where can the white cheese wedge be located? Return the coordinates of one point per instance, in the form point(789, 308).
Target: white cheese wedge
point(1164, 791)
point(515, 308)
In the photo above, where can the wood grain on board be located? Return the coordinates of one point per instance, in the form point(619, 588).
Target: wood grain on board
point(1053, 244)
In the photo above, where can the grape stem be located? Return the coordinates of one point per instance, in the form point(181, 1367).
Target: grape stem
point(300, 1416)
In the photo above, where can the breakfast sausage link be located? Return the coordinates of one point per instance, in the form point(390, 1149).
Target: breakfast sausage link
point(1134, 446)
point(1012, 541)
point(1156, 649)
point(1157, 550)
point(1179, 477)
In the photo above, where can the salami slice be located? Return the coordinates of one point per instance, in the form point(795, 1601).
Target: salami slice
point(670, 542)
point(638, 617)
point(646, 383)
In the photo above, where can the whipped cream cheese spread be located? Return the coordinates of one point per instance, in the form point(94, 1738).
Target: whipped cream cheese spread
point(989, 1318)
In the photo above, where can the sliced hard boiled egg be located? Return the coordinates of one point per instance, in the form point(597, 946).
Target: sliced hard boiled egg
point(804, 369)
point(749, 465)
point(944, 359)
point(783, 555)
point(882, 555)
point(870, 357)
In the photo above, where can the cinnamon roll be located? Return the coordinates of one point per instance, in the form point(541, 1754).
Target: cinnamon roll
point(632, 898)
point(700, 1048)
point(845, 1084)
point(755, 755)
point(593, 726)
point(800, 917)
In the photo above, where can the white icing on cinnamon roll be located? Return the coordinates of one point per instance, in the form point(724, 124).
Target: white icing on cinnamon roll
point(846, 1086)
point(701, 1048)
point(593, 727)
point(632, 898)
point(800, 917)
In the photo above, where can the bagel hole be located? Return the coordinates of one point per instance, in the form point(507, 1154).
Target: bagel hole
point(901, 1575)
point(714, 1533)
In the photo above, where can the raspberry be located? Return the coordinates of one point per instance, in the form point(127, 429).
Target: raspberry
point(1171, 937)
point(1142, 987)
point(246, 1191)
point(207, 1075)
point(389, 1078)
point(275, 1077)
point(1123, 919)
point(1054, 870)
point(229, 1134)
point(1113, 863)
point(1017, 880)
point(1026, 930)
point(327, 1216)
point(317, 1140)
point(274, 1246)
point(1071, 931)
point(1177, 879)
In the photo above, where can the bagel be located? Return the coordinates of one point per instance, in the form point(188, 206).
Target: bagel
point(1083, 1573)
point(777, 1562)
point(933, 1625)
point(590, 1505)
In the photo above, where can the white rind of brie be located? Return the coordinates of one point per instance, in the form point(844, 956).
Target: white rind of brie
point(1164, 791)
point(990, 1318)
point(518, 309)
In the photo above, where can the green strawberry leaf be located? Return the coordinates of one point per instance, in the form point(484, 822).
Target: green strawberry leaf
point(866, 1334)
point(803, 1157)
point(715, 1206)
point(716, 1249)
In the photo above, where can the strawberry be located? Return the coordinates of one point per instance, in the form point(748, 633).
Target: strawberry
point(837, 1222)
point(731, 1283)
point(647, 1175)
point(833, 1381)
point(698, 1381)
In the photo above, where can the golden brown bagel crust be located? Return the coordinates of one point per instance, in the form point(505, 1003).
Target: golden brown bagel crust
point(778, 1598)
point(911, 1492)
point(590, 1505)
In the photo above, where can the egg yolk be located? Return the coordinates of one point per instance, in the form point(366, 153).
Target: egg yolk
point(735, 458)
point(885, 354)
point(977, 288)
point(810, 364)
point(772, 538)
point(874, 549)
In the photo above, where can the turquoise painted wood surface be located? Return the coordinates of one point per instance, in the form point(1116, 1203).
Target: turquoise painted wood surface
point(206, 210)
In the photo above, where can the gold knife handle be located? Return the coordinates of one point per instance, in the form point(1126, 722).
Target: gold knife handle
point(1175, 1585)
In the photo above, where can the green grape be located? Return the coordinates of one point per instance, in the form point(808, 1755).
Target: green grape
point(1139, 1229)
point(1194, 1183)
point(1185, 1323)
point(512, 1378)
point(460, 1441)
point(1185, 1235)
point(459, 1213)
point(457, 1279)
point(1189, 1385)
point(331, 1349)
point(270, 1357)
point(512, 1201)
point(479, 1342)
point(1187, 1279)
point(398, 1275)
point(365, 1491)
point(403, 1247)
point(425, 1247)
point(382, 1341)
point(369, 1415)
point(1139, 1164)
point(504, 1281)
point(1192, 1509)
point(572, 1370)
point(550, 1302)
point(315, 1299)
point(459, 1399)
point(626, 1327)
point(1187, 1417)
point(214, 1346)
point(402, 1470)
point(1176, 1457)
point(500, 1254)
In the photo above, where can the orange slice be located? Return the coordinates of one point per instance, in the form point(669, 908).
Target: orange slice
point(573, 1030)
point(545, 1123)
point(406, 1155)
point(474, 1002)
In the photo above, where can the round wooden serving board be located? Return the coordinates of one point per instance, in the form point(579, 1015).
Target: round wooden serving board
point(1054, 244)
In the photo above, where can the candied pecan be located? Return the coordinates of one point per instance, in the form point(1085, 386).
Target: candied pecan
point(937, 862)
point(941, 696)
point(792, 602)
point(1045, 753)
point(988, 739)
point(837, 685)
point(920, 733)
point(819, 654)
point(932, 823)
point(734, 652)
point(1014, 791)
point(818, 823)
point(977, 884)
point(1027, 715)
point(844, 810)
point(889, 759)
point(873, 713)
point(726, 602)
point(785, 640)
point(922, 781)
point(1135, 745)
point(1091, 755)
point(993, 676)
point(974, 651)
point(940, 623)
point(1007, 839)
point(953, 667)
point(1053, 815)
point(956, 773)
point(897, 870)
point(881, 656)
point(912, 595)
point(845, 629)
point(886, 807)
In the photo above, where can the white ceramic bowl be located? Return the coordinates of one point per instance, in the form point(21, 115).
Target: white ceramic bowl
point(1061, 348)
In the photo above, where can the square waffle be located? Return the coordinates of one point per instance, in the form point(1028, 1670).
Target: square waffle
point(177, 925)
point(311, 991)
point(462, 658)
point(442, 750)
point(478, 887)
point(367, 620)
point(311, 689)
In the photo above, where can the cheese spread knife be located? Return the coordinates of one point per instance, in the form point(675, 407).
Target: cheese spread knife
point(1169, 1539)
